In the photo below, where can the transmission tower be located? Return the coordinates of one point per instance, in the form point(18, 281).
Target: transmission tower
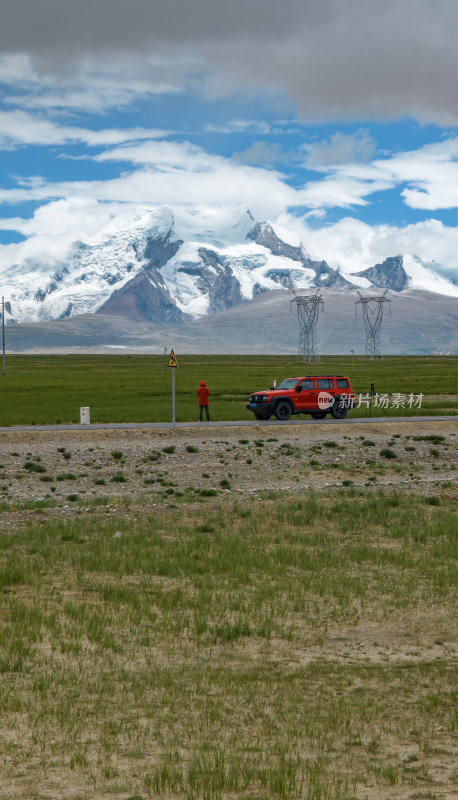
point(308, 308)
point(372, 316)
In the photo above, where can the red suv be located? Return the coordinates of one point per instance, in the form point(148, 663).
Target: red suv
point(314, 395)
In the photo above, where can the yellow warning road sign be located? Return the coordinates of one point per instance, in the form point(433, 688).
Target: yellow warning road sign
point(172, 360)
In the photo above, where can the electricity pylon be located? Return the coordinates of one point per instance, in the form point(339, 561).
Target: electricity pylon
point(372, 316)
point(308, 308)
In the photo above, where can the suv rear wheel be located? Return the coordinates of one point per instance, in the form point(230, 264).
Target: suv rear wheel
point(283, 410)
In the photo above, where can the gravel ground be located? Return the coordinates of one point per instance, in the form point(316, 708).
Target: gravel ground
point(69, 470)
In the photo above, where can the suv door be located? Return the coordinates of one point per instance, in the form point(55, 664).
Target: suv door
point(325, 387)
point(306, 399)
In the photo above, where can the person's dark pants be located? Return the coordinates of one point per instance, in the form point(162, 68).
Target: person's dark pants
point(201, 408)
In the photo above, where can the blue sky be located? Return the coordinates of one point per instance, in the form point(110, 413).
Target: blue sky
point(336, 118)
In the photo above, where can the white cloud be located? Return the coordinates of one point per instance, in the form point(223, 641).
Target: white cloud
point(172, 173)
point(53, 228)
point(353, 245)
point(20, 129)
point(340, 147)
point(263, 153)
point(90, 84)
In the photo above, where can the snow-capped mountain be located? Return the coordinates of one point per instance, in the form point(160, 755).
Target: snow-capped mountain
point(398, 273)
point(158, 265)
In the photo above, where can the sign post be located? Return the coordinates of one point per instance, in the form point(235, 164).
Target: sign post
point(173, 363)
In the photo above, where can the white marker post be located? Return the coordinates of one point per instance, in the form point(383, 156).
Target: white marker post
point(173, 363)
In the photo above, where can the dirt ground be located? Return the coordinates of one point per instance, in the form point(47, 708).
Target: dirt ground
point(63, 470)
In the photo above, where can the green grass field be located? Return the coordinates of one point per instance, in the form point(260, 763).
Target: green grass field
point(51, 389)
point(287, 649)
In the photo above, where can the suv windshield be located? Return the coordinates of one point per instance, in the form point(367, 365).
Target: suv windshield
point(288, 383)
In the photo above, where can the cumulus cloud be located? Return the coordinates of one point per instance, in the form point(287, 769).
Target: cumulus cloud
point(368, 58)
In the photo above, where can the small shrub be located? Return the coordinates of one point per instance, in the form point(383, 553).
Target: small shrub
point(208, 492)
point(432, 501)
point(368, 443)
point(244, 441)
point(72, 497)
point(330, 443)
point(205, 528)
point(434, 452)
point(249, 461)
point(99, 482)
point(119, 478)
point(435, 438)
point(387, 453)
point(191, 449)
point(116, 454)
point(225, 484)
point(169, 449)
point(154, 456)
point(32, 466)
point(66, 476)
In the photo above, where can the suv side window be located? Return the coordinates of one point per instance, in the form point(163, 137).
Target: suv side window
point(342, 383)
point(308, 384)
point(325, 383)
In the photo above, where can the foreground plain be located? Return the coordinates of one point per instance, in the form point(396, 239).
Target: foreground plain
point(229, 614)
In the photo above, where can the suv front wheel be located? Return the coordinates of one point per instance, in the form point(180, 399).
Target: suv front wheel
point(339, 409)
point(283, 410)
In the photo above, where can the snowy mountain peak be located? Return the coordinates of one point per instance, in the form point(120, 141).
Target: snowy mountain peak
point(164, 265)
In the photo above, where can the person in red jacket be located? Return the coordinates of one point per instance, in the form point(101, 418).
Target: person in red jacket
point(202, 395)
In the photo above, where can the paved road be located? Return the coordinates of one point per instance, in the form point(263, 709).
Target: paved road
point(223, 424)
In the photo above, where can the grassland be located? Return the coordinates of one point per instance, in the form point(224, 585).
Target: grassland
point(51, 389)
point(242, 616)
point(287, 648)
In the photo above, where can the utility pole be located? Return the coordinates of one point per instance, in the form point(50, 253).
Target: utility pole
point(308, 308)
point(3, 332)
point(372, 317)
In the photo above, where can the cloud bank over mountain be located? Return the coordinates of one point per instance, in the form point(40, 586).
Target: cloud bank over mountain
point(377, 58)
